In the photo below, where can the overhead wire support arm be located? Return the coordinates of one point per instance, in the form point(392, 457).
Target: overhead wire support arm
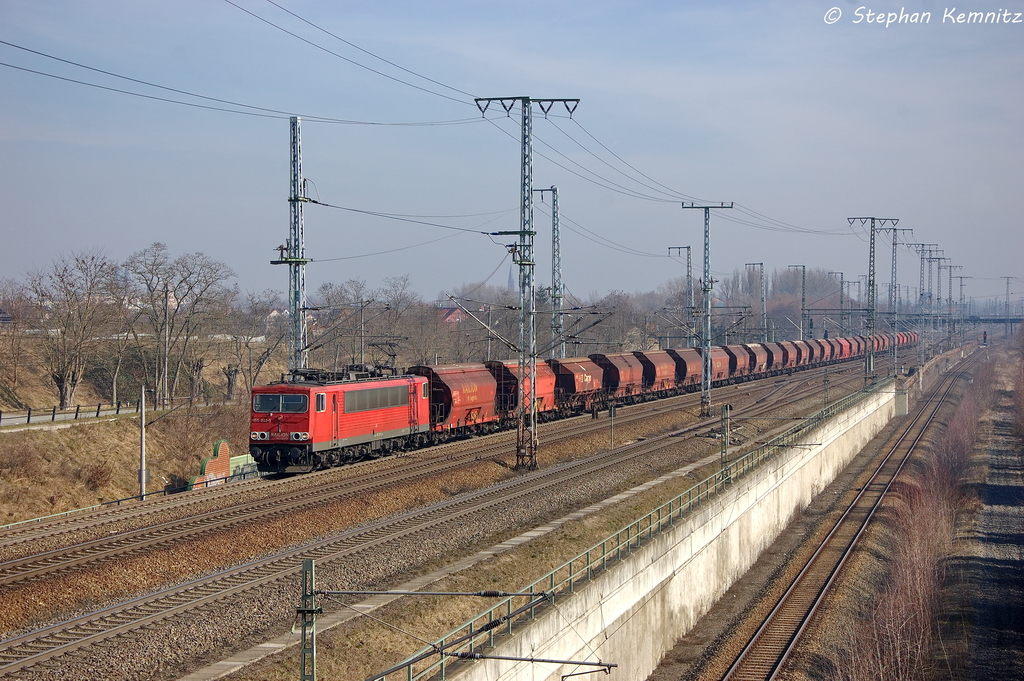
point(574, 336)
point(441, 650)
point(308, 611)
point(506, 342)
point(482, 594)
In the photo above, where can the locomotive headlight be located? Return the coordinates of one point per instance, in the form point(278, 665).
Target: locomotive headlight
point(300, 436)
point(259, 435)
point(254, 435)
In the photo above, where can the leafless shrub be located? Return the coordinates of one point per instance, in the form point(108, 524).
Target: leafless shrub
point(97, 475)
point(1018, 396)
point(952, 455)
point(188, 435)
point(895, 639)
point(21, 460)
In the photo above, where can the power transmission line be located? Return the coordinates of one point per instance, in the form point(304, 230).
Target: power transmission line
point(365, 51)
point(780, 226)
point(346, 59)
point(399, 218)
point(256, 111)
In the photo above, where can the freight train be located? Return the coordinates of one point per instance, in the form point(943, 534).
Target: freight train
point(319, 419)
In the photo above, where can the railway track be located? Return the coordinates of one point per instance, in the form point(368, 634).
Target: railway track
point(765, 653)
point(92, 521)
point(48, 564)
point(26, 568)
point(21, 653)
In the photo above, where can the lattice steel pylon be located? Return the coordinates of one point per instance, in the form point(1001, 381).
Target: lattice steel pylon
point(557, 291)
point(894, 295)
point(689, 289)
point(842, 308)
point(869, 356)
point(922, 250)
point(293, 254)
point(764, 299)
point(526, 412)
point(707, 287)
point(803, 299)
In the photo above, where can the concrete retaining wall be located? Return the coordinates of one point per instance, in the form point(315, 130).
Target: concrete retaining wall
point(633, 614)
point(938, 365)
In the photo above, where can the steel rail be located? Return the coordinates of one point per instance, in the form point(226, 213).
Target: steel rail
point(765, 652)
point(162, 532)
point(32, 648)
point(28, 531)
point(22, 570)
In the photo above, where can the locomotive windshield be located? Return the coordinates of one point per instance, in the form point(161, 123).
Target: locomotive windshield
point(281, 404)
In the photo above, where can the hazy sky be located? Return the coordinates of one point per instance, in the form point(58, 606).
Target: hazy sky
point(766, 104)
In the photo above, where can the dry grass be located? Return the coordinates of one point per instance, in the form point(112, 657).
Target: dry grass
point(43, 472)
point(1017, 381)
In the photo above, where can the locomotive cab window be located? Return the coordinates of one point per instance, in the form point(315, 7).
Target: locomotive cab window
point(281, 404)
point(426, 391)
point(321, 401)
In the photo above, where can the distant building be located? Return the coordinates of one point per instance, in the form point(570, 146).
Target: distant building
point(449, 312)
point(453, 316)
point(5, 318)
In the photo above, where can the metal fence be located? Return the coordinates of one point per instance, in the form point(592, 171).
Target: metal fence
point(480, 632)
point(75, 413)
point(87, 411)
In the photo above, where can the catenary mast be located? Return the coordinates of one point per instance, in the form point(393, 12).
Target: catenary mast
point(293, 254)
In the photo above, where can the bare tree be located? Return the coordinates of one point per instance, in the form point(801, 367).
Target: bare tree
point(72, 311)
point(341, 322)
point(179, 299)
point(16, 305)
point(256, 333)
point(124, 315)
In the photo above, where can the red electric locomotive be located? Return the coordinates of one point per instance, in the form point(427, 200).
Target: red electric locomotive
point(322, 419)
